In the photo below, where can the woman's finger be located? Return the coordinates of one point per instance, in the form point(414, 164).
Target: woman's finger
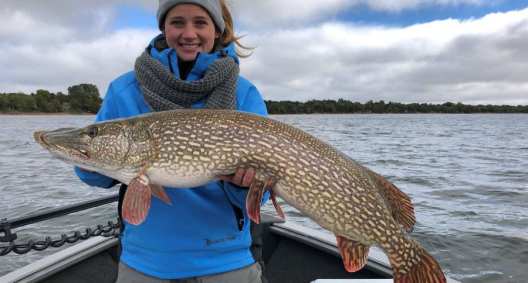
point(248, 177)
point(239, 175)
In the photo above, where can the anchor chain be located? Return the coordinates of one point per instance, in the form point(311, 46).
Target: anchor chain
point(109, 230)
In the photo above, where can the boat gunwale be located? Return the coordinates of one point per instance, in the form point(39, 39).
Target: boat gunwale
point(61, 260)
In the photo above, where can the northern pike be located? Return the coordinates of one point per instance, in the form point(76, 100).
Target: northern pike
point(189, 148)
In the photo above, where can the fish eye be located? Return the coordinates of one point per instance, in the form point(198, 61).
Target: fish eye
point(92, 132)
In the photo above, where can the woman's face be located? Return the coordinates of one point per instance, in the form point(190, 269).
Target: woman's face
point(189, 29)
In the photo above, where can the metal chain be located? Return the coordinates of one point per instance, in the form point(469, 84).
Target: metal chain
point(109, 230)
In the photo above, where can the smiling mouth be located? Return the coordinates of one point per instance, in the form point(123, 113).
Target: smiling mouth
point(189, 45)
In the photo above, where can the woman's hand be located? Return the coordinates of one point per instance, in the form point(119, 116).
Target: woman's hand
point(242, 177)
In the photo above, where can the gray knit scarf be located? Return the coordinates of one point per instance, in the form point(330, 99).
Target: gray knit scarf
point(163, 91)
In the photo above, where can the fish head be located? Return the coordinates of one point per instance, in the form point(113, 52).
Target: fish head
point(102, 147)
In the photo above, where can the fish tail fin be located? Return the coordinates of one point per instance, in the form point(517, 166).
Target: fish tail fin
point(353, 253)
point(136, 203)
point(415, 265)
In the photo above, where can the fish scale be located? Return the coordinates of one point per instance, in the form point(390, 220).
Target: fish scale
point(188, 148)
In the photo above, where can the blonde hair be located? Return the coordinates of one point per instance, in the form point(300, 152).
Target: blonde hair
point(228, 36)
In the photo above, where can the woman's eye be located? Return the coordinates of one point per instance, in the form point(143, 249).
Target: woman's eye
point(200, 23)
point(177, 23)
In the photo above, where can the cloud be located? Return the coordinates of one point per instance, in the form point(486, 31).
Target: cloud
point(50, 55)
point(85, 18)
point(55, 67)
point(401, 5)
point(473, 61)
point(88, 18)
point(273, 14)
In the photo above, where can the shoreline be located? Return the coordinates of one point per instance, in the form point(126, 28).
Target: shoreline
point(354, 113)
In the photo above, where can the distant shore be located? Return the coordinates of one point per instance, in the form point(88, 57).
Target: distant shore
point(356, 113)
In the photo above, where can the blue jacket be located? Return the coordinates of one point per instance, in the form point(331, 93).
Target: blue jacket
point(198, 234)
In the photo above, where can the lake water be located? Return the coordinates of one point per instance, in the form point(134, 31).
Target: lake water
point(467, 176)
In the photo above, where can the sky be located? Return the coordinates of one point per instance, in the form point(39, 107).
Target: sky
point(424, 51)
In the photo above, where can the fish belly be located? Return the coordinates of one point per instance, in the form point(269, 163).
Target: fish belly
point(179, 179)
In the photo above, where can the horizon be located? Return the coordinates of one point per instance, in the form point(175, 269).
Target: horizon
point(315, 100)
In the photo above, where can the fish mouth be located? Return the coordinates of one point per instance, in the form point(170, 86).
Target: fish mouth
point(52, 142)
point(39, 138)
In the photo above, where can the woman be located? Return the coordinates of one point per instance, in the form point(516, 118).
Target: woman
point(204, 236)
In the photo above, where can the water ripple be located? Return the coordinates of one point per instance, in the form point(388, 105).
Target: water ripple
point(468, 183)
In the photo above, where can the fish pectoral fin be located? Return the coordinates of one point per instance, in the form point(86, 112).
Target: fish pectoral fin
point(353, 253)
point(257, 187)
point(400, 204)
point(254, 199)
point(159, 192)
point(136, 202)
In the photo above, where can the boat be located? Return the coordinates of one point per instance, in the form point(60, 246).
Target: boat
point(290, 252)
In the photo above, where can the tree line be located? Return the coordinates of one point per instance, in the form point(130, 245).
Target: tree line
point(85, 98)
point(346, 106)
point(82, 98)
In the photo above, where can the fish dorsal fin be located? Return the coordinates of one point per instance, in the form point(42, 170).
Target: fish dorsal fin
point(399, 203)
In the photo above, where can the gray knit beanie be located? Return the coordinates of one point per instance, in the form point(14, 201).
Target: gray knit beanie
point(211, 6)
